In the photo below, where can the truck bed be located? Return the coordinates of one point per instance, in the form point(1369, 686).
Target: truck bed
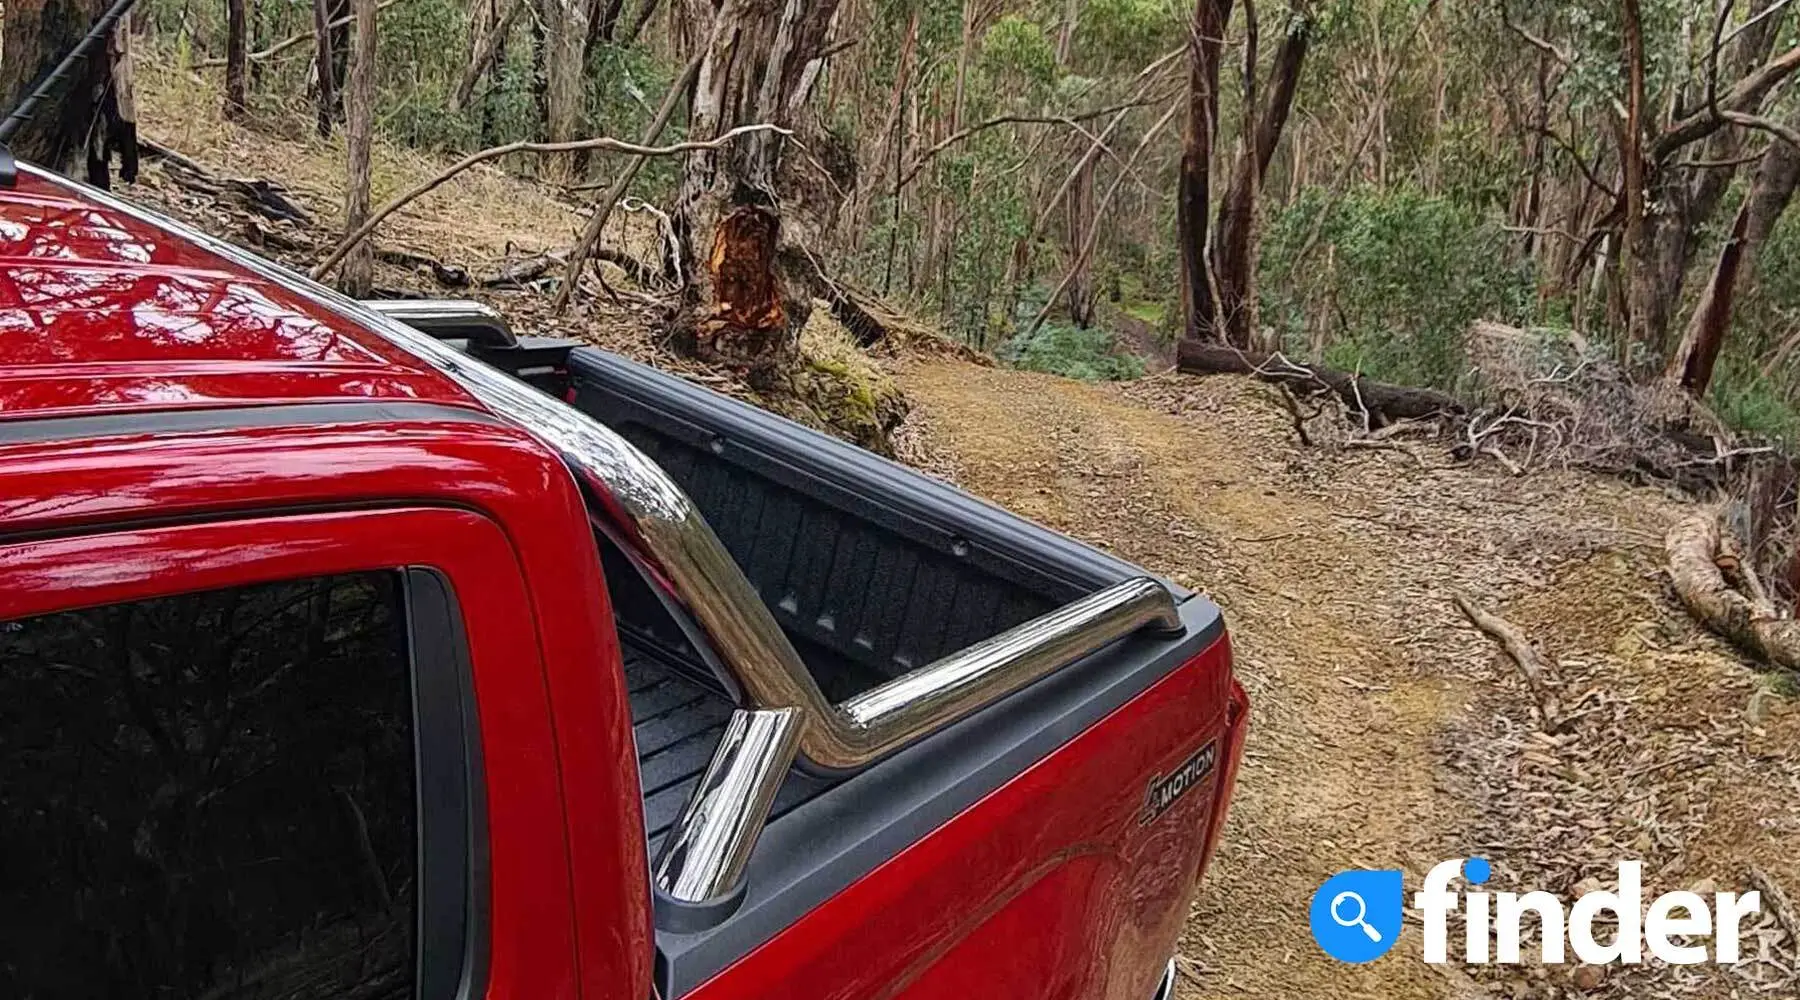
point(872, 570)
point(677, 720)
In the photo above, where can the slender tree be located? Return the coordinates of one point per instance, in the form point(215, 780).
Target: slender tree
point(359, 106)
point(1234, 239)
point(1206, 36)
point(324, 71)
point(237, 47)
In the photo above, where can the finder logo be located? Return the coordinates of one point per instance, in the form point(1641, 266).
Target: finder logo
point(1356, 916)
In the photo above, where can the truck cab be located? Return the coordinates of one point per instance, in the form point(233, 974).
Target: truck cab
point(369, 650)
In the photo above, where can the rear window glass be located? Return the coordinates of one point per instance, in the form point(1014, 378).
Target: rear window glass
point(210, 795)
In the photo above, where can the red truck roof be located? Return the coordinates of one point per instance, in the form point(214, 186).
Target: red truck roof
point(101, 311)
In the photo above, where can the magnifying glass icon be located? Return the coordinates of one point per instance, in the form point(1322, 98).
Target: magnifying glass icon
point(1361, 909)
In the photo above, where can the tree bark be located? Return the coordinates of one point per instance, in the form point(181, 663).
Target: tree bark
point(1234, 230)
point(37, 33)
point(484, 51)
point(1234, 247)
point(237, 50)
point(1643, 316)
point(324, 66)
point(1682, 202)
point(1193, 206)
point(1771, 189)
point(359, 266)
point(1691, 366)
point(1750, 622)
point(745, 216)
point(646, 11)
point(565, 32)
point(1080, 213)
point(606, 26)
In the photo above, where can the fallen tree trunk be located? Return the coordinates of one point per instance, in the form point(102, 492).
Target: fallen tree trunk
point(1751, 623)
point(1392, 402)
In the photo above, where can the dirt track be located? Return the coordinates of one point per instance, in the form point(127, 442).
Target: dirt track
point(1386, 731)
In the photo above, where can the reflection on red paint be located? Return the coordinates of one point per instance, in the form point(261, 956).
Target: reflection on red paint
point(100, 311)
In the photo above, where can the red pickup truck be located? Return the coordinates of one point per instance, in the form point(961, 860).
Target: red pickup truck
point(369, 650)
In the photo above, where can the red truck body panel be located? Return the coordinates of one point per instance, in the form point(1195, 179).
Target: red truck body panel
point(1054, 887)
point(102, 312)
point(548, 680)
point(1057, 885)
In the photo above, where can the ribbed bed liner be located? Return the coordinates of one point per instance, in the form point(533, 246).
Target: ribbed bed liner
point(677, 722)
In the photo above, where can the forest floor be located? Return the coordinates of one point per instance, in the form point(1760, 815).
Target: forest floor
point(1386, 731)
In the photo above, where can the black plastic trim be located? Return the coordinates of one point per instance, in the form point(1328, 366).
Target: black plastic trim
point(823, 846)
point(158, 422)
point(453, 851)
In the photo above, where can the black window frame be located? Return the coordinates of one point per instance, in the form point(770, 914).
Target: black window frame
point(452, 932)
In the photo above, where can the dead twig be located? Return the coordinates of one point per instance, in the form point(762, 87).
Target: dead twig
point(1531, 665)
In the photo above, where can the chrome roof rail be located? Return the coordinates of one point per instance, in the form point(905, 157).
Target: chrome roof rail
point(634, 502)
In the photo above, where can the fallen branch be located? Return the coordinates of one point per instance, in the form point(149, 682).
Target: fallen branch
point(603, 142)
point(521, 272)
point(641, 274)
point(448, 275)
point(262, 197)
point(1519, 650)
point(1391, 401)
point(1693, 546)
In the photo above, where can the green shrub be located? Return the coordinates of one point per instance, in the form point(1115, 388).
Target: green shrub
point(1752, 404)
point(1395, 276)
point(1090, 355)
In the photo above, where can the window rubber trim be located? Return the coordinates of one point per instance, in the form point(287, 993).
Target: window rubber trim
point(452, 885)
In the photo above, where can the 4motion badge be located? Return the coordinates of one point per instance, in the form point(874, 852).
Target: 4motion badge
point(1164, 789)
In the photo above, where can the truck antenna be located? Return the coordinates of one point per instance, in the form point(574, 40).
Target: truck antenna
point(50, 83)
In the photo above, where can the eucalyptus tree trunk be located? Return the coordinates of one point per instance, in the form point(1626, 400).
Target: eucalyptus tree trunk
point(1234, 246)
point(565, 27)
point(1193, 195)
point(237, 47)
point(1078, 203)
point(324, 66)
point(359, 107)
point(37, 33)
point(747, 212)
point(1771, 190)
